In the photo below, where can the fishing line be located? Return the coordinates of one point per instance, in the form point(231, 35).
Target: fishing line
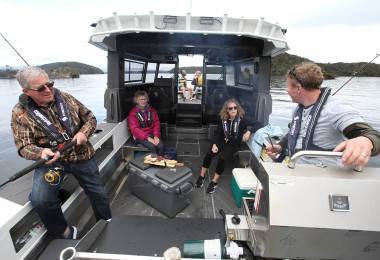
point(356, 72)
point(14, 49)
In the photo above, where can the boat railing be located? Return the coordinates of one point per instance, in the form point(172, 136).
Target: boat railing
point(71, 253)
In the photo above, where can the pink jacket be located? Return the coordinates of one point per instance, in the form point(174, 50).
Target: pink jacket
point(134, 124)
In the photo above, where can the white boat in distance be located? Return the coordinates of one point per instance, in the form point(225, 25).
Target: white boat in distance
point(294, 213)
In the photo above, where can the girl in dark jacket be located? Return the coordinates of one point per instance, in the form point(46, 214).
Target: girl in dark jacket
point(227, 140)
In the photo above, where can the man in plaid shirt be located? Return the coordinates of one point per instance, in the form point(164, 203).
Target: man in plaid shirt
point(43, 120)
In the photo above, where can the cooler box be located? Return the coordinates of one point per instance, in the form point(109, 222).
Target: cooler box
point(166, 189)
point(243, 184)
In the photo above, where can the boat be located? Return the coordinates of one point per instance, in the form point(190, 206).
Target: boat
point(301, 211)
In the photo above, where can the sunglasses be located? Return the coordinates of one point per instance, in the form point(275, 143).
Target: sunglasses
point(42, 88)
point(230, 108)
point(291, 72)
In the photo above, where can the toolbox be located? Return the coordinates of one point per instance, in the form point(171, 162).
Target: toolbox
point(166, 189)
point(243, 184)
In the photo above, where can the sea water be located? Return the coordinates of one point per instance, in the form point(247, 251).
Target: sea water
point(362, 93)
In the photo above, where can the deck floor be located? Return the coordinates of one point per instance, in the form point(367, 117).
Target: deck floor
point(202, 205)
point(197, 100)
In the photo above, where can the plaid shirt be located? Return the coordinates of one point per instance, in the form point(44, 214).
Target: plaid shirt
point(30, 138)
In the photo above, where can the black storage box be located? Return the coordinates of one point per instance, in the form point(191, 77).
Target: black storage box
point(166, 189)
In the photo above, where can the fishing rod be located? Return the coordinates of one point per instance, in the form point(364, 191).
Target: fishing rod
point(14, 50)
point(356, 72)
point(38, 163)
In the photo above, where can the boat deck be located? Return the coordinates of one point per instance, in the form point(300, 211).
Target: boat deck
point(133, 219)
point(202, 205)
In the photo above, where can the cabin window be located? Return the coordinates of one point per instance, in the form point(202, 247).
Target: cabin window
point(133, 71)
point(245, 73)
point(230, 76)
point(151, 72)
point(166, 71)
point(214, 72)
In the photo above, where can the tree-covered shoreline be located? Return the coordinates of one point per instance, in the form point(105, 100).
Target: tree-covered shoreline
point(69, 69)
point(279, 67)
point(283, 62)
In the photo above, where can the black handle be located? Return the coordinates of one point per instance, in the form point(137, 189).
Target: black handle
point(235, 219)
point(40, 162)
point(223, 214)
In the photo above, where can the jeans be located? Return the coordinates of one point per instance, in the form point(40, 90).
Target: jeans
point(159, 149)
point(44, 195)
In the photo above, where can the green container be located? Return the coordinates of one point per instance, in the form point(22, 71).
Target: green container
point(204, 249)
point(243, 184)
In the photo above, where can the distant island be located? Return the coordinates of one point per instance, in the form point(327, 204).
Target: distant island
point(279, 67)
point(282, 63)
point(70, 69)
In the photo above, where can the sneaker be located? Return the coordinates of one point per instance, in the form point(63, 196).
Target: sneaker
point(73, 233)
point(200, 181)
point(212, 187)
point(184, 99)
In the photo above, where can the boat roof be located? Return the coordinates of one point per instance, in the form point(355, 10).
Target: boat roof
point(223, 39)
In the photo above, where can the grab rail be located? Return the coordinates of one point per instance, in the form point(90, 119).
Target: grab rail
point(300, 154)
point(112, 105)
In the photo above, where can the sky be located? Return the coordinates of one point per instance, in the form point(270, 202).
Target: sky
point(326, 31)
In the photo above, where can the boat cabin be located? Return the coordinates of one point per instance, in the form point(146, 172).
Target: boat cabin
point(144, 53)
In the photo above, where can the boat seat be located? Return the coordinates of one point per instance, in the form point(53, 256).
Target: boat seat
point(243, 156)
point(159, 99)
point(213, 84)
point(163, 82)
point(215, 101)
point(131, 148)
point(133, 145)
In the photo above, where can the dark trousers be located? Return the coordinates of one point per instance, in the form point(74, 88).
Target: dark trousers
point(44, 196)
point(159, 149)
point(224, 152)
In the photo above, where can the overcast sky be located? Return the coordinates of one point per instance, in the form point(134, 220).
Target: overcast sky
point(48, 31)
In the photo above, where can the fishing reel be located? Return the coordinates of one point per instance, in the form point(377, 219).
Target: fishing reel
point(53, 174)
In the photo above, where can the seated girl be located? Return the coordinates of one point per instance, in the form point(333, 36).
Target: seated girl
point(226, 141)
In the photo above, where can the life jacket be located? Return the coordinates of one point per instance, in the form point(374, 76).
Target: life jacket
point(228, 132)
point(307, 140)
point(197, 81)
point(40, 117)
point(181, 79)
point(140, 117)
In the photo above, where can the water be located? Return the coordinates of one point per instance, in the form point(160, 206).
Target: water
point(89, 89)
